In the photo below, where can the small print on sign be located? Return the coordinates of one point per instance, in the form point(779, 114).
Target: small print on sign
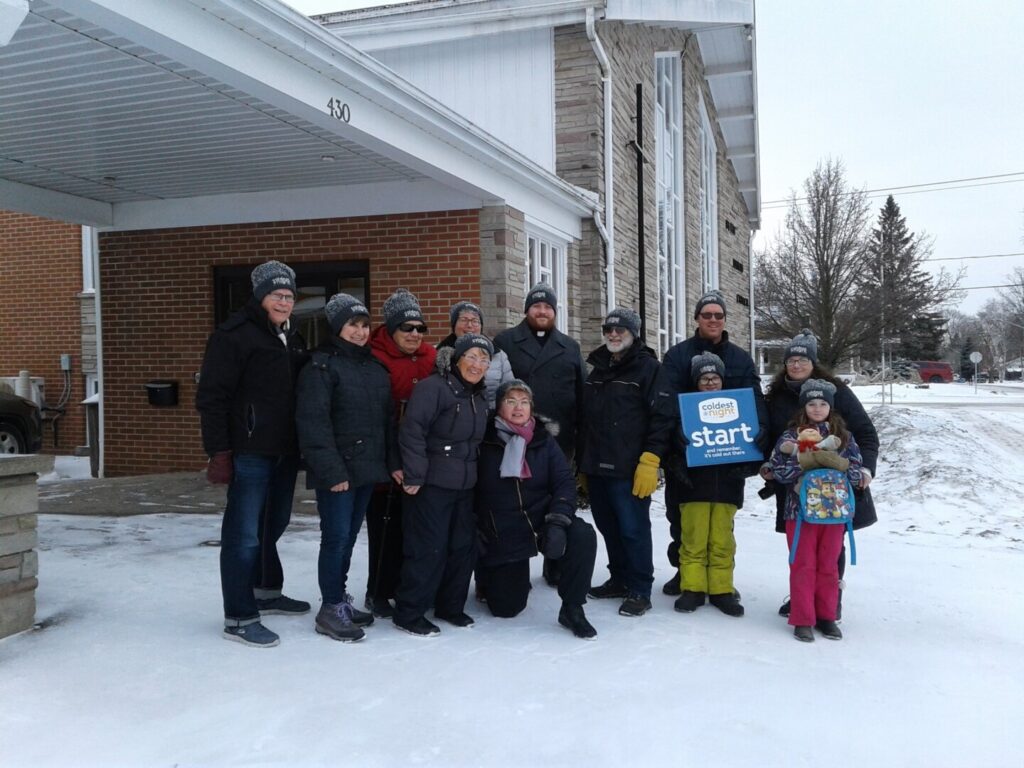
point(720, 427)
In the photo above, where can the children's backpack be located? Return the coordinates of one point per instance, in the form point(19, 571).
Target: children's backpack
point(826, 498)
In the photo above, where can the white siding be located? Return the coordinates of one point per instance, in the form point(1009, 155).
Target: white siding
point(502, 83)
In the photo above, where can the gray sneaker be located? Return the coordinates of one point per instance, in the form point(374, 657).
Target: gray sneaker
point(335, 620)
point(255, 635)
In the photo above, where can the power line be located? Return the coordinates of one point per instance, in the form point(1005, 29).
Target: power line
point(985, 287)
point(987, 256)
point(885, 191)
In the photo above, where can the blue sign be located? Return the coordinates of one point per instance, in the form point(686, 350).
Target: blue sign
point(720, 426)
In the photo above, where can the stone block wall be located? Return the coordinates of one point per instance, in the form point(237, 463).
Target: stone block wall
point(19, 562)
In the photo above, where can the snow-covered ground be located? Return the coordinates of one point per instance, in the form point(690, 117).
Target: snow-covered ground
point(129, 667)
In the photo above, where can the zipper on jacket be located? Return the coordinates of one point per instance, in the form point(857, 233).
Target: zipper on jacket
point(522, 509)
point(250, 420)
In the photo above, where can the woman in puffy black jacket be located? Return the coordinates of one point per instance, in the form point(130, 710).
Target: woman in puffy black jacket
point(526, 504)
point(349, 440)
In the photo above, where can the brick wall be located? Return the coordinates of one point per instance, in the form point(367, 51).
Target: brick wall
point(40, 316)
point(631, 49)
point(158, 307)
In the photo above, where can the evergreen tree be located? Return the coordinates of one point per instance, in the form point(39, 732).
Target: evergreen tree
point(899, 297)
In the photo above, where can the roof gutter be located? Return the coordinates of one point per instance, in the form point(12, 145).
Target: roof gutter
point(609, 183)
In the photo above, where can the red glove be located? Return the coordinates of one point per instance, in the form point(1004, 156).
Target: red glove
point(221, 468)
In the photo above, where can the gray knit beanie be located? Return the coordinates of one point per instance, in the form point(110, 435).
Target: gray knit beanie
point(467, 341)
point(400, 307)
point(342, 308)
point(513, 384)
point(818, 389)
point(623, 317)
point(706, 362)
point(803, 345)
point(711, 297)
point(464, 306)
point(541, 292)
point(270, 276)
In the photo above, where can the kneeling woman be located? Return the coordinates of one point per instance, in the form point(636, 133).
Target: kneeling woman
point(526, 502)
point(348, 437)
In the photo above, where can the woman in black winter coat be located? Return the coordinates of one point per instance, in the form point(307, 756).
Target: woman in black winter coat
point(349, 439)
point(440, 438)
point(526, 504)
point(800, 363)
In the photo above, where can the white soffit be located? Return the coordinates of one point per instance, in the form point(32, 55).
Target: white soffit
point(133, 107)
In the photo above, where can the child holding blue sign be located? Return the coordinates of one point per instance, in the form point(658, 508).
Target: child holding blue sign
point(708, 500)
point(814, 571)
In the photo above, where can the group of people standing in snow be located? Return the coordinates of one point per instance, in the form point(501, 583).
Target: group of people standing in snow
point(467, 461)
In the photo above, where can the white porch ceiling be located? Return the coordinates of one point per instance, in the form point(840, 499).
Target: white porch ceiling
point(106, 106)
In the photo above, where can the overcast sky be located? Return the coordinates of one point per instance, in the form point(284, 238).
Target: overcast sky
point(904, 92)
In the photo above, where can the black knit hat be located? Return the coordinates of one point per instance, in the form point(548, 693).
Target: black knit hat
point(818, 389)
point(706, 362)
point(711, 297)
point(270, 276)
point(400, 307)
point(803, 345)
point(541, 292)
point(464, 306)
point(342, 308)
point(467, 341)
point(623, 317)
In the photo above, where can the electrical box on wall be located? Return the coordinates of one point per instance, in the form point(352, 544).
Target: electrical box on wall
point(65, 362)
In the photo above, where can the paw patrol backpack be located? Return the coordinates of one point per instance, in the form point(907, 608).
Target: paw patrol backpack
point(826, 498)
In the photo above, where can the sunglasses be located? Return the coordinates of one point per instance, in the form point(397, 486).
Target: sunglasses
point(607, 330)
point(713, 315)
point(410, 328)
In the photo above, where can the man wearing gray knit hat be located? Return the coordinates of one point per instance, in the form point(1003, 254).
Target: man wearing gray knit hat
point(740, 373)
point(246, 404)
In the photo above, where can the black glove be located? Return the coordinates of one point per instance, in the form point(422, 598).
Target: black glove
point(553, 536)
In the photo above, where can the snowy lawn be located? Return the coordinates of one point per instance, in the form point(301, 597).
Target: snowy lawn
point(130, 669)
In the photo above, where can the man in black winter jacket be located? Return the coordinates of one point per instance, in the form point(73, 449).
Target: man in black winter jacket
point(740, 372)
point(246, 404)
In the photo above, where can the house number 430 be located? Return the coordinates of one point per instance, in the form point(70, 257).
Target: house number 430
point(339, 110)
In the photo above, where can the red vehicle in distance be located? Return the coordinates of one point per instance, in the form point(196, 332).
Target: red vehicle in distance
point(934, 372)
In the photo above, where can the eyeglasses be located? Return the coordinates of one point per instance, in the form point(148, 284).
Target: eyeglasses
point(469, 320)
point(798, 361)
point(477, 359)
point(608, 330)
point(410, 328)
point(707, 381)
point(712, 315)
point(511, 402)
point(287, 298)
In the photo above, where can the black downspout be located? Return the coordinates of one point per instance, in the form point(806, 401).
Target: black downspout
point(640, 252)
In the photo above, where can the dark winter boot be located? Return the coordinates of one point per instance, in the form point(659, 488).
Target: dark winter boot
point(673, 585)
point(379, 607)
point(635, 605)
point(688, 602)
point(335, 620)
point(359, 618)
point(461, 619)
point(829, 629)
point(727, 603)
point(611, 589)
point(784, 609)
point(803, 634)
point(283, 606)
point(420, 627)
point(572, 618)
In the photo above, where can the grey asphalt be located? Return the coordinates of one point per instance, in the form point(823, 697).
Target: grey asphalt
point(178, 492)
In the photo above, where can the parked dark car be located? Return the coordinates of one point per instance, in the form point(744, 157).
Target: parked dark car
point(21, 425)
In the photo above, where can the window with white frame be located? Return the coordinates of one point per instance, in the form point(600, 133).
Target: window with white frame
point(708, 202)
point(668, 171)
point(546, 263)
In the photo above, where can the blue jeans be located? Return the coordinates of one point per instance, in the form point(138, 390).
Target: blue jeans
point(625, 525)
point(257, 513)
point(341, 516)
